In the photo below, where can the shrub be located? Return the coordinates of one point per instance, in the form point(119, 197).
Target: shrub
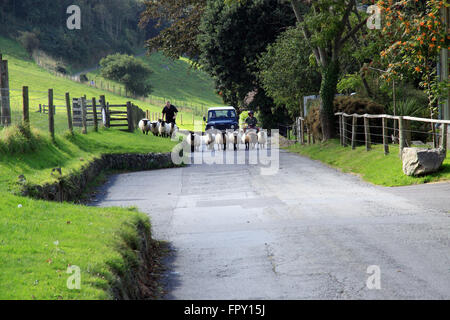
point(129, 71)
point(348, 105)
point(19, 139)
point(29, 41)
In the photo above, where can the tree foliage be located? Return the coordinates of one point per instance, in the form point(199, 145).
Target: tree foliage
point(327, 27)
point(414, 35)
point(179, 23)
point(106, 26)
point(29, 41)
point(232, 38)
point(128, 70)
point(286, 73)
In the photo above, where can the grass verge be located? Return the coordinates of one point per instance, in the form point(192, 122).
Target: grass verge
point(39, 239)
point(372, 166)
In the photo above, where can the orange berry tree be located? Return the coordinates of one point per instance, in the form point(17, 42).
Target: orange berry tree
point(414, 35)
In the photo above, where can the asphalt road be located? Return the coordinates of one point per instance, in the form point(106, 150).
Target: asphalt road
point(307, 232)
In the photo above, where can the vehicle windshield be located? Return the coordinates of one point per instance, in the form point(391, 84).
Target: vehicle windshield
point(221, 115)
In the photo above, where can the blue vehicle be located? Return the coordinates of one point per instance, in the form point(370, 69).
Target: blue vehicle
point(222, 118)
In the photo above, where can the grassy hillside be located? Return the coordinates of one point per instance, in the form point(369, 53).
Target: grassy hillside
point(24, 72)
point(173, 80)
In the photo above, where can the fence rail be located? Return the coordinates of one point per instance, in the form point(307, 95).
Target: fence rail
point(376, 129)
point(77, 113)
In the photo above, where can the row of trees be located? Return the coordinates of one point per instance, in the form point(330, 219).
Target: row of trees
point(268, 54)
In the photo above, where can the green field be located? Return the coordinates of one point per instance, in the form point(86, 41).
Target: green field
point(24, 72)
point(173, 80)
point(372, 166)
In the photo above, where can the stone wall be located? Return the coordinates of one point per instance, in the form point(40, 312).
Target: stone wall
point(72, 187)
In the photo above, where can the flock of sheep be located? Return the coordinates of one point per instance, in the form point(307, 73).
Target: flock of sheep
point(231, 139)
point(158, 128)
point(251, 138)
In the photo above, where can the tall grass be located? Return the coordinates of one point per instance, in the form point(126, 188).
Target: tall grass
point(20, 138)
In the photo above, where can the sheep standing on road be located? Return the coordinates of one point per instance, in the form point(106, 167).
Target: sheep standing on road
point(234, 139)
point(144, 126)
point(262, 139)
point(220, 140)
point(208, 139)
point(173, 129)
point(197, 140)
point(250, 139)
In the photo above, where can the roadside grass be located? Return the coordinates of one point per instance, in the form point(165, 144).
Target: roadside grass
point(372, 166)
point(36, 157)
point(24, 72)
point(39, 239)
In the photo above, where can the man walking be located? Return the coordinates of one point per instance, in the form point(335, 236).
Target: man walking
point(169, 113)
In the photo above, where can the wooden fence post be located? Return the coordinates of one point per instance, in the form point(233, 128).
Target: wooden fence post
point(83, 115)
point(69, 113)
point(401, 131)
point(136, 115)
point(354, 124)
point(344, 131)
point(435, 138)
point(385, 136)
point(108, 116)
point(308, 132)
point(302, 131)
point(340, 130)
point(181, 118)
point(94, 110)
point(130, 117)
point(147, 114)
point(5, 107)
point(367, 132)
point(51, 115)
point(26, 107)
point(444, 137)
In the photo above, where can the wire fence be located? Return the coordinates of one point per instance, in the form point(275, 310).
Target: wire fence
point(182, 105)
point(51, 112)
point(385, 130)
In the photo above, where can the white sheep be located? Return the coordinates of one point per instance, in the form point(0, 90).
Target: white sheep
point(168, 129)
point(208, 139)
point(161, 128)
point(173, 129)
point(250, 138)
point(154, 127)
point(197, 141)
point(144, 126)
point(262, 139)
point(234, 139)
point(219, 140)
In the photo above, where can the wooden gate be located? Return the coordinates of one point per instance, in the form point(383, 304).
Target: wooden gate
point(83, 111)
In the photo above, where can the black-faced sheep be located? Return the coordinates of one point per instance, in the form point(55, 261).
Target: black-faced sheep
point(144, 126)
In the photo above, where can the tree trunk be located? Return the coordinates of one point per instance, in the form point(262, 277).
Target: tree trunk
point(330, 78)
